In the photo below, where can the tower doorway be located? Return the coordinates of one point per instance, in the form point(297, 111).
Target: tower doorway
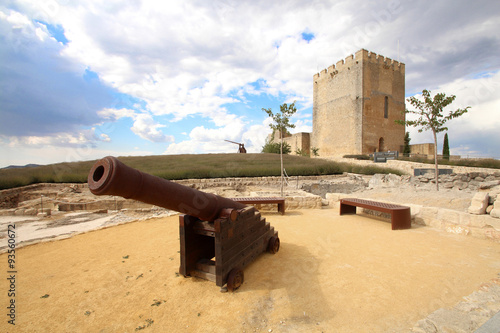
point(381, 146)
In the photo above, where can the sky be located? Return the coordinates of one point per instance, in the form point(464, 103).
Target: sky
point(80, 80)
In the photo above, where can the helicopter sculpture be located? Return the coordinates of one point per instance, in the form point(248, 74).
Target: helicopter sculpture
point(241, 149)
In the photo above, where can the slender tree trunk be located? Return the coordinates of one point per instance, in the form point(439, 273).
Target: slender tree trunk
point(281, 159)
point(436, 160)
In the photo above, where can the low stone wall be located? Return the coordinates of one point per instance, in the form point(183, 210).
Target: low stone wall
point(487, 186)
point(9, 198)
point(25, 212)
point(103, 204)
point(249, 181)
point(461, 181)
point(408, 167)
point(462, 223)
point(472, 181)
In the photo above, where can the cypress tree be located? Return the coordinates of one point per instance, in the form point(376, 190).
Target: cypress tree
point(406, 148)
point(446, 148)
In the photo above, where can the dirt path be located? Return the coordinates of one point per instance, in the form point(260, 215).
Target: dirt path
point(332, 274)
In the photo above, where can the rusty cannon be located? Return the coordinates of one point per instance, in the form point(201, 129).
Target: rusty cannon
point(218, 236)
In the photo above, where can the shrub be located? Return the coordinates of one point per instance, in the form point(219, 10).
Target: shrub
point(358, 157)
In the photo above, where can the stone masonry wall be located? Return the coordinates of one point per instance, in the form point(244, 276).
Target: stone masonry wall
point(349, 105)
point(298, 141)
point(337, 108)
point(383, 82)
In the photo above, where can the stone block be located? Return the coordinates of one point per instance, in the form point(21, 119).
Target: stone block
point(478, 221)
point(429, 212)
point(461, 185)
point(465, 219)
point(449, 216)
point(494, 223)
point(489, 184)
point(448, 185)
point(414, 210)
point(332, 197)
point(474, 184)
point(492, 234)
point(447, 320)
point(7, 212)
point(479, 203)
point(376, 180)
point(428, 216)
point(30, 211)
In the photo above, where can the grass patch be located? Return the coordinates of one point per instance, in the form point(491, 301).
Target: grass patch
point(187, 166)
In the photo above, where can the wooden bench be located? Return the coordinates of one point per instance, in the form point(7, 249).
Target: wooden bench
point(264, 200)
point(400, 215)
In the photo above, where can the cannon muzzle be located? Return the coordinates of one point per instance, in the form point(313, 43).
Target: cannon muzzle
point(109, 176)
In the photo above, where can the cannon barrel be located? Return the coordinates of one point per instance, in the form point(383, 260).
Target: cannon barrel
point(109, 176)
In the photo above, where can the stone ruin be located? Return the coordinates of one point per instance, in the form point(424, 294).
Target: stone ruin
point(478, 213)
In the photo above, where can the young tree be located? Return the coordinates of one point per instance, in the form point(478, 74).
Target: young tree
point(446, 147)
point(430, 117)
point(406, 148)
point(281, 122)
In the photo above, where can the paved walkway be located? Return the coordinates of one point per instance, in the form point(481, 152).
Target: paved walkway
point(479, 312)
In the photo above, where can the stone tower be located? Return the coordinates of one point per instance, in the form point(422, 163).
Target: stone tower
point(356, 103)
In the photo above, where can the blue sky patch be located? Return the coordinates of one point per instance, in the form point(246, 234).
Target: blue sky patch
point(56, 31)
point(307, 36)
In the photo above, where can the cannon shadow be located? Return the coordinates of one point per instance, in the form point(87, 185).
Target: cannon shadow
point(290, 279)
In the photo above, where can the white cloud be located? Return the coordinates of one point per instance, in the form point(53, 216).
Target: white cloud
point(255, 137)
point(82, 138)
point(474, 133)
point(145, 127)
point(115, 114)
point(53, 154)
point(105, 137)
point(206, 140)
point(198, 60)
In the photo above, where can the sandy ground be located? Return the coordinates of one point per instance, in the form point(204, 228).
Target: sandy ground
point(332, 274)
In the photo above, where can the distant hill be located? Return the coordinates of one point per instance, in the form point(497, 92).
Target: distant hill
point(21, 166)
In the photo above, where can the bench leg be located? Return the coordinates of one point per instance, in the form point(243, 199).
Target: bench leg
point(281, 208)
point(347, 209)
point(401, 219)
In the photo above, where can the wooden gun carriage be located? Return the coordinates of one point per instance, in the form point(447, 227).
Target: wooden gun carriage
point(218, 236)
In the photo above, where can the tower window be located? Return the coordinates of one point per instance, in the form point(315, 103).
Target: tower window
point(386, 107)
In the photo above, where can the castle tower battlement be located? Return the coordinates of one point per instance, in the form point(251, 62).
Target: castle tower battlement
point(356, 103)
point(361, 55)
